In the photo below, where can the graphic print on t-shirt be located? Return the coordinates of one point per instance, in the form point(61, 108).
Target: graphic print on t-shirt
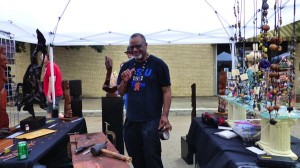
point(138, 79)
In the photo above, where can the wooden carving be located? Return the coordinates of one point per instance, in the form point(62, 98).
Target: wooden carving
point(222, 91)
point(109, 86)
point(4, 120)
point(67, 108)
point(32, 86)
point(222, 82)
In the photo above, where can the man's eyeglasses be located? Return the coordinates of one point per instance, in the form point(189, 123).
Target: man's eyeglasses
point(135, 46)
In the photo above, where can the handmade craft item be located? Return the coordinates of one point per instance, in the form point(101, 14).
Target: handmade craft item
point(4, 121)
point(109, 85)
point(67, 106)
point(32, 86)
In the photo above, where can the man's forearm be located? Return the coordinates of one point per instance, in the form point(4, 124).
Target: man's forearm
point(122, 88)
point(167, 100)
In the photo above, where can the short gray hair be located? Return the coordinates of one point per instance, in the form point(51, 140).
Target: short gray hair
point(139, 35)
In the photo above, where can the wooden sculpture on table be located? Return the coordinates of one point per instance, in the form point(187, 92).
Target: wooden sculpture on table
point(32, 86)
point(112, 103)
point(4, 121)
point(67, 107)
point(222, 82)
point(110, 85)
point(222, 91)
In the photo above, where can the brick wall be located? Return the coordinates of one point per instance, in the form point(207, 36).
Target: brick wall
point(188, 64)
point(297, 69)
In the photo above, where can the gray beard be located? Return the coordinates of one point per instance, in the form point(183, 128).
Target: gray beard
point(137, 57)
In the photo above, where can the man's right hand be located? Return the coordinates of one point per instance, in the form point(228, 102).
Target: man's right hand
point(127, 74)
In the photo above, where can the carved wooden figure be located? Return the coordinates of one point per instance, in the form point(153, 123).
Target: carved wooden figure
point(4, 121)
point(107, 86)
point(32, 86)
point(67, 107)
point(222, 91)
point(222, 82)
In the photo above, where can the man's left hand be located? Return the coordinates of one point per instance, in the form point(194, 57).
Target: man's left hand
point(164, 123)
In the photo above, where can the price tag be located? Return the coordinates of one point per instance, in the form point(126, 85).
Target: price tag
point(244, 77)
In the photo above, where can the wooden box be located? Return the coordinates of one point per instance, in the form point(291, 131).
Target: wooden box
point(33, 122)
point(186, 155)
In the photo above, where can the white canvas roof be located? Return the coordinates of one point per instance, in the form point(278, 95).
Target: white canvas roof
point(111, 22)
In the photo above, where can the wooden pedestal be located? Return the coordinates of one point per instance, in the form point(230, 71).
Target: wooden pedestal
point(112, 113)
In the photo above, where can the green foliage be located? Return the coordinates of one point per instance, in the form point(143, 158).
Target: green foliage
point(20, 47)
point(72, 47)
point(98, 48)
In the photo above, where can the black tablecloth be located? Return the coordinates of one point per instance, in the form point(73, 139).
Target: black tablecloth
point(50, 150)
point(212, 151)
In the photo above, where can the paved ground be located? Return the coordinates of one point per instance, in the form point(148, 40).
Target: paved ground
point(179, 117)
point(171, 148)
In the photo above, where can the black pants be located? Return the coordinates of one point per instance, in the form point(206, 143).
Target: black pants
point(143, 144)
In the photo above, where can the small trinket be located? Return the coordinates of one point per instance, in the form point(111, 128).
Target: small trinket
point(27, 128)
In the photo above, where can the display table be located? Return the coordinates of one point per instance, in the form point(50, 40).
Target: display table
point(212, 151)
point(50, 150)
point(82, 160)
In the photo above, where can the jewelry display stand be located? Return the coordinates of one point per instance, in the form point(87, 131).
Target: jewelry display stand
point(276, 139)
point(236, 110)
point(263, 143)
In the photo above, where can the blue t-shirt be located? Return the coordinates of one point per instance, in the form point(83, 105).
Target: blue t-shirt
point(144, 89)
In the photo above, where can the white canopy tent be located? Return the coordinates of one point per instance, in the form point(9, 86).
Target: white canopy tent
point(94, 22)
point(111, 22)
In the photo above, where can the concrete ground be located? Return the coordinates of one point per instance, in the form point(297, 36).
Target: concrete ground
point(179, 117)
point(171, 149)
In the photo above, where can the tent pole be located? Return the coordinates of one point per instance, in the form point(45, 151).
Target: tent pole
point(232, 39)
point(232, 56)
point(52, 74)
